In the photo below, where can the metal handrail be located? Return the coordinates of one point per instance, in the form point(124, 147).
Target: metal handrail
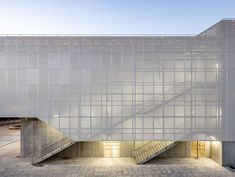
point(137, 111)
point(142, 148)
point(50, 148)
point(146, 146)
point(66, 140)
point(149, 144)
point(54, 143)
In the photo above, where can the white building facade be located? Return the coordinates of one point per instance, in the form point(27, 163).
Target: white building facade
point(90, 88)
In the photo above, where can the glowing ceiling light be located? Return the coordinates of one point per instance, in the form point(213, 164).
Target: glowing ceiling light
point(212, 138)
point(56, 116)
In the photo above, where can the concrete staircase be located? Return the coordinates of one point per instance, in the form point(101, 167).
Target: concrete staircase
point(151, 150)
point(51, 150)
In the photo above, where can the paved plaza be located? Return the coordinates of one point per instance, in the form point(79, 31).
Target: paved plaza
point(7, 139)
point(11, 165)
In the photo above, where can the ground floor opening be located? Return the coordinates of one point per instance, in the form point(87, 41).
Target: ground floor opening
point(109, 158)
point(41, 142)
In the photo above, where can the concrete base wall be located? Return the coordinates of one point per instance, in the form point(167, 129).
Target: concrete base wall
point(181, 149)
point(94, 149)
point(207, 149)
point(228, 153)
point(216, 151)
point(36, 135)
point(223, 152)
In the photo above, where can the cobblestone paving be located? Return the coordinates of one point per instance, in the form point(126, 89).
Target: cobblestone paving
point(12, 166)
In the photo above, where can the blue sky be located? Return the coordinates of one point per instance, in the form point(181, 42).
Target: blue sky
point(112, 16)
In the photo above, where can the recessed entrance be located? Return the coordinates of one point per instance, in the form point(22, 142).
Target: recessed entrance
point(111, 149)
point(197, 149)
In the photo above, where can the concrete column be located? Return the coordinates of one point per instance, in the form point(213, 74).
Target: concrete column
point(27, 137)
point(36, 135)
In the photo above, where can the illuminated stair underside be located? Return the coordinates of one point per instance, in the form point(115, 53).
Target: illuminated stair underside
point(51, 150)
point(154, 149)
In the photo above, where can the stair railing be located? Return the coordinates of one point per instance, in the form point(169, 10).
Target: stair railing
point(144, 147)
point(128, 110)
point(42, 152)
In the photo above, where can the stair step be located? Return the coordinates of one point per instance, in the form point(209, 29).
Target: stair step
point(137, 158)
point(168, 143)
point(154, 151)
point(145, 154)
point(159, 147)
point(141, 157)
point(148, 153)
point(162, 145)
point(155, 147)
point(38, 160)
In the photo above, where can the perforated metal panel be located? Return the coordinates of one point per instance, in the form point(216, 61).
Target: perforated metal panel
point(124, 87)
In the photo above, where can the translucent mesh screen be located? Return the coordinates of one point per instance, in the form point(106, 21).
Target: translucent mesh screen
point(123, 88)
